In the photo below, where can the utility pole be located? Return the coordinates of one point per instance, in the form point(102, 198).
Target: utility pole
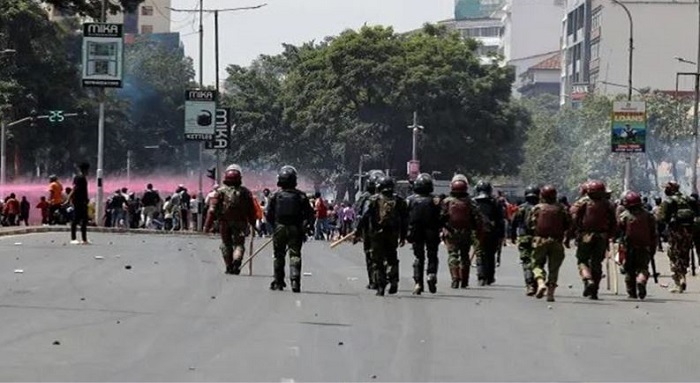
point(414, 149)
point(628, 159)
point(128, 169)
point(99, 209)
point(219, 166)
point(694, 157)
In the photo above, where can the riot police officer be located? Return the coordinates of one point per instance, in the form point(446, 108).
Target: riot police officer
point(290, 214)
point(424, 231)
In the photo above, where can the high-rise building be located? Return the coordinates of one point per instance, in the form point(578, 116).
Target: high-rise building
point(595, 41)
point(151, 16)
point(476, 9)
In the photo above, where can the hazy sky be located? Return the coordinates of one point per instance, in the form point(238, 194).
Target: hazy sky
point(244, 35)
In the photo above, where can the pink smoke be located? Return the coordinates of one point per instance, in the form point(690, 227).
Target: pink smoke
point(166, 185)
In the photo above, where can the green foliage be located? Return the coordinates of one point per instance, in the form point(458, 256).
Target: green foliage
point(93, 8)
point(321, 106)
point(569, 146)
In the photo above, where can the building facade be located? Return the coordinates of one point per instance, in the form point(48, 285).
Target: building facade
point(152, 16)
point(595, 46)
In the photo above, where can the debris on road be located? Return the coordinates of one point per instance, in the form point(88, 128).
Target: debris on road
point(213, 297)
point(82, 299)
point(549, 307)
point(119, 322)
point(56, 343)
point(128, 267)
point(352, 279)
point(571, 286)
point(307, 274)
point(19, 271)
point(373, 377)
point(192, 368)
point(340, 343)
point(99, 257)
point(18, 243)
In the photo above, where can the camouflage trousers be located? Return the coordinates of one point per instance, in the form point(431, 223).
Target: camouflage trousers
point(232, 241)
point(637, 265)
point(526, 260)
point(486, 257)
point(287, 239)
point(458, 244)
point(590, 253)
point(550, 252)
point(385, 259)
point(680, 241)
point(427, 244)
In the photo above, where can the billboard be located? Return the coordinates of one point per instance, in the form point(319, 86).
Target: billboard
point(629, 127)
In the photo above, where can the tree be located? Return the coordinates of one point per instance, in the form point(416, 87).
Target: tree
point(155, 83)
point(93, 8)
point(321, 106)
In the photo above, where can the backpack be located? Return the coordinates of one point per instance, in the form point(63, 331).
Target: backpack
point(386, 209)
point(550, 221)
point(595, 216)
point(684, 213)
point(232, 202)
point(638, 229)
point(459, 212)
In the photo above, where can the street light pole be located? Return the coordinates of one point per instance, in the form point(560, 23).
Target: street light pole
point(628, 160)
point(694, 157)
point(99, 210)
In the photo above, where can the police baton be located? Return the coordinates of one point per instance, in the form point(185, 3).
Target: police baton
point(250, 250)
point(338, 242)
point(264, 245)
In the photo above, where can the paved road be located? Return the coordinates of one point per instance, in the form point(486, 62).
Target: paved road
point(174, 316)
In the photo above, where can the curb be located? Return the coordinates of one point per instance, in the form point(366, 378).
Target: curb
point(65, 229)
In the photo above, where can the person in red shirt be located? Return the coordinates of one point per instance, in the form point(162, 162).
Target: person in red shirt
point(43, 205)
point(321, 227)
point(11, 210)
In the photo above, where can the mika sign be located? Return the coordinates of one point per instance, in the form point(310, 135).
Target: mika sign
point(629, 127)
point(103, 55)
point(200, 115)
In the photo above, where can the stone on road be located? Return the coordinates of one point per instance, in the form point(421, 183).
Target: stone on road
point(159, 320)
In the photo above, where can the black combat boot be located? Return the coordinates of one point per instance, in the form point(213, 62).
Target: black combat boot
point(296, 285)
point(588, 287)
point(641, 290)
point(393, 288)
point(380, 290)
point(454, 273)
point(432, 283)
point(464, 276)
point(236, 267)
point(631, 288)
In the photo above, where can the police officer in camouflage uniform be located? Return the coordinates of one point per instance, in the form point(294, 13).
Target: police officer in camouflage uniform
point(637, 232)
point(462, 223)
point(595, 225)
point(232, 206)
point(493, 218)
point(549, 222)
point(291, 216)
point(424, 231)
point(679, 213)
point(520, 233)
point(360, 207)
point(386, 221)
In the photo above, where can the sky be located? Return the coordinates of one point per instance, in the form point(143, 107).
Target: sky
point(244, 35)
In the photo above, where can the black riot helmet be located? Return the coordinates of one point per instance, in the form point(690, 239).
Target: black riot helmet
point(287, 177)
point(484, 189)
point(532, 194)
point(423, 184)
point(372, 179)
point(385, 185)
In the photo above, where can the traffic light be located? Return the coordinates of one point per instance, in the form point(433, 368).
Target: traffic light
point(211, 173)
